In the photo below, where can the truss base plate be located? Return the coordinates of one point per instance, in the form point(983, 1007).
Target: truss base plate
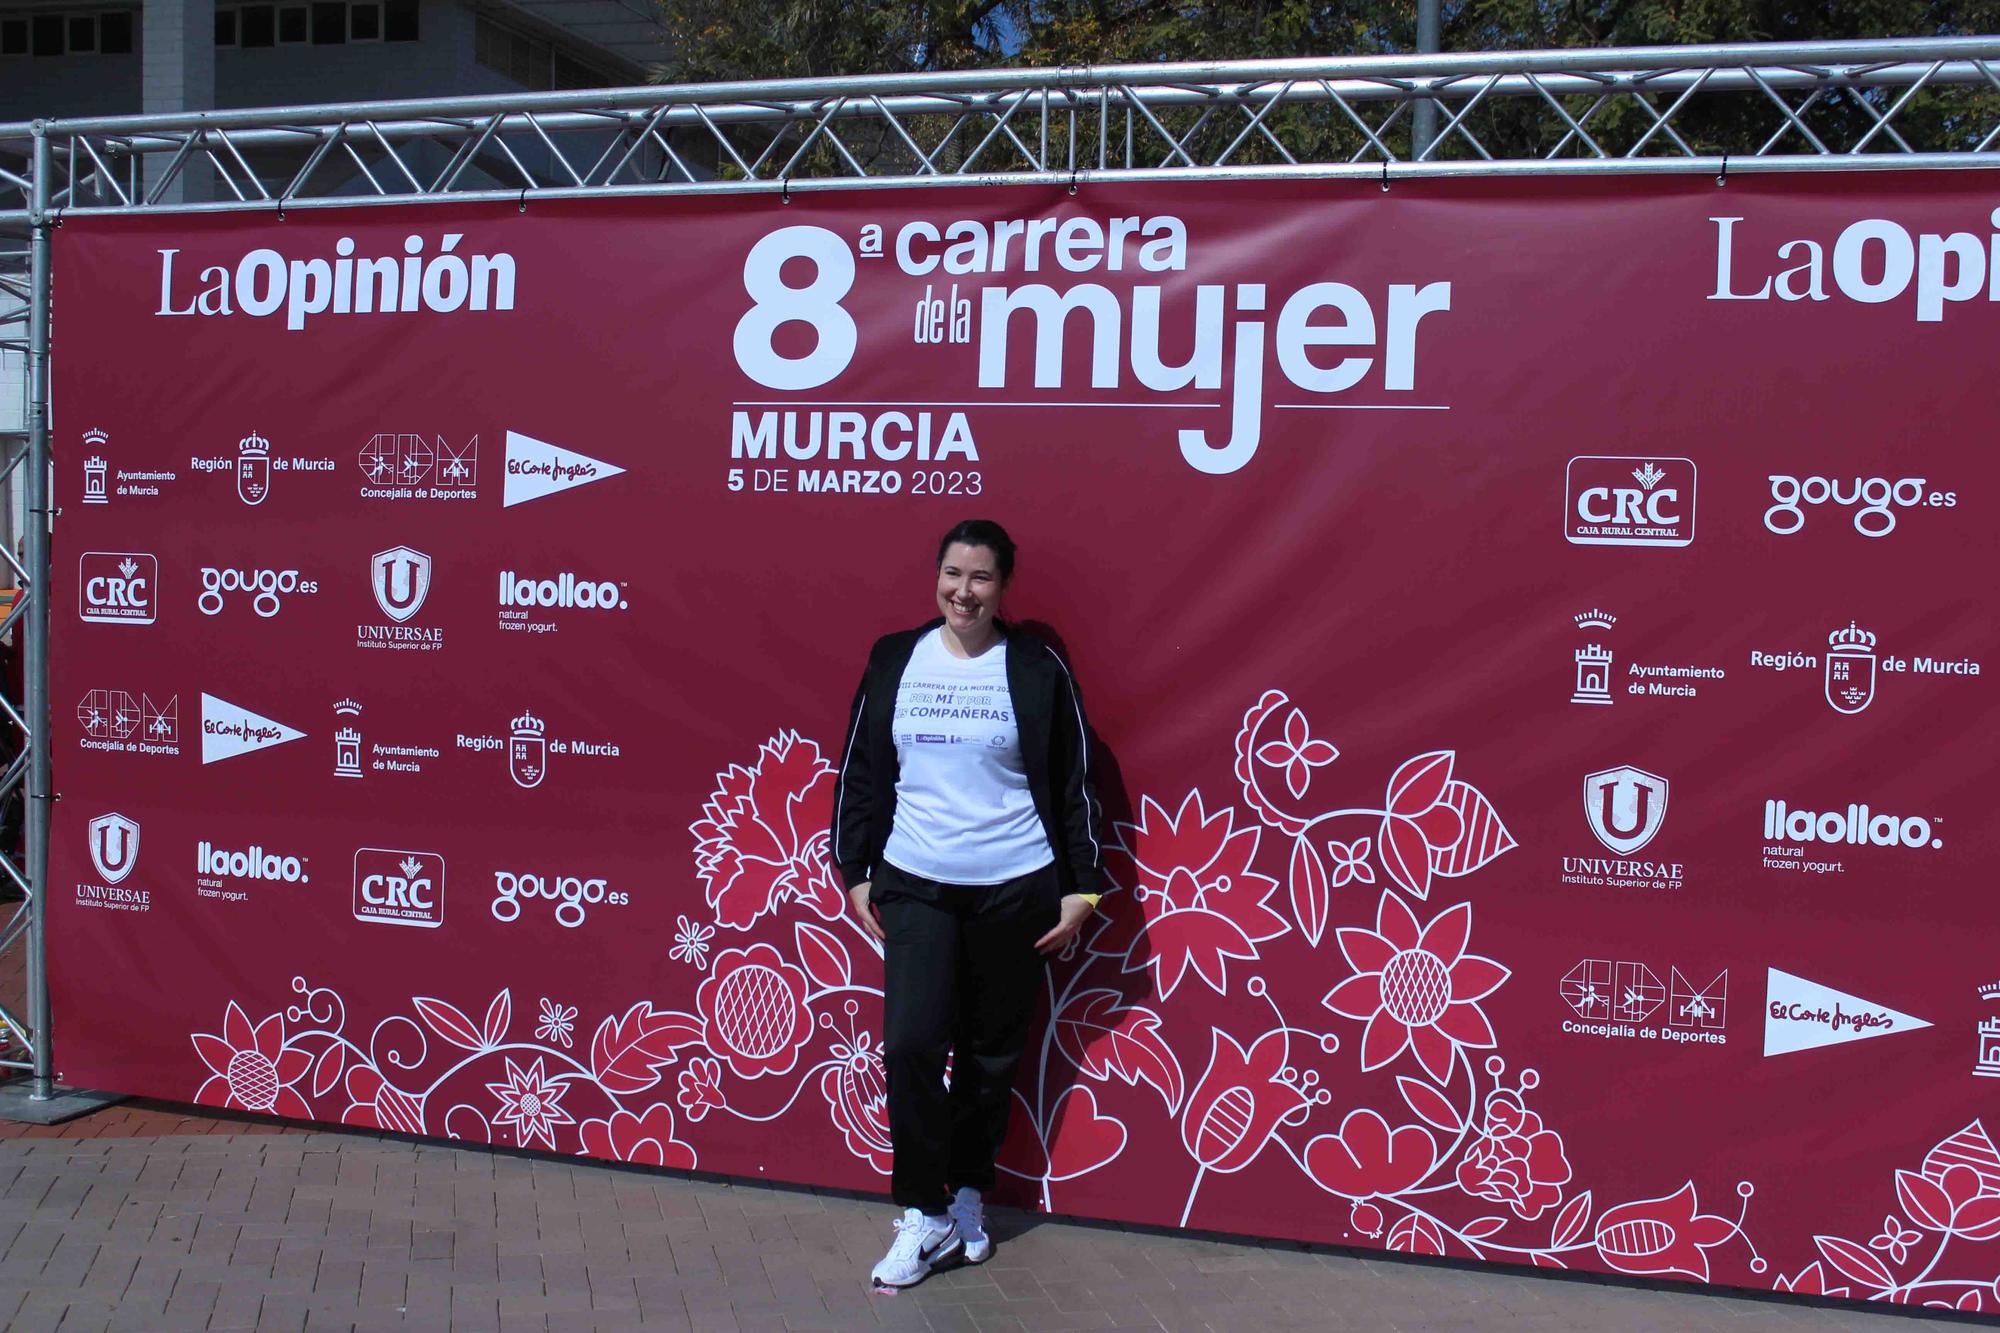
point(60, 1105)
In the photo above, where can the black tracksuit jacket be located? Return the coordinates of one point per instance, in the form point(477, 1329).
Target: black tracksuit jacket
point(1055, 748)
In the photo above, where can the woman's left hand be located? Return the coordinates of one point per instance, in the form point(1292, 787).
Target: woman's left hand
point(1076, 910)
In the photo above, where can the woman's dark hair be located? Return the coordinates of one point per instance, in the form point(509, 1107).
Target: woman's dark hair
point(982, 532)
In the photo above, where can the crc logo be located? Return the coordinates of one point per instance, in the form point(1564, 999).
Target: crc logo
point(114, 846)
point(1629, 501)
point(571, 894)
point(118, 587)
point(399, 888)
point(1625, 807)
point(402, 579)
point(1873, 499)
point(267, 588)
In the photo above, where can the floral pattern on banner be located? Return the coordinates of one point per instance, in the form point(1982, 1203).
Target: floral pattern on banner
point(1386, 1090)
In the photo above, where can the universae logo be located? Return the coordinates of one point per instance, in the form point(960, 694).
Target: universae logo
point(1625, 807)
point(114, 846)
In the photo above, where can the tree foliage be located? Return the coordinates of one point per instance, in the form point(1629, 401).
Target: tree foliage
point(758, 39)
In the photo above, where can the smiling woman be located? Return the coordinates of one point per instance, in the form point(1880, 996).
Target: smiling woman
point(965, 827)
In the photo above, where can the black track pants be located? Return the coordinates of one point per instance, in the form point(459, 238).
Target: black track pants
point(959, 975)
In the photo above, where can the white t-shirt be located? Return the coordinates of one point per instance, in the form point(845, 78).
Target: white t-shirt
point(964, 814)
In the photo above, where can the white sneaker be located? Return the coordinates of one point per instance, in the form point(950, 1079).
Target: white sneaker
point(922, 1244)
point(968, 1214)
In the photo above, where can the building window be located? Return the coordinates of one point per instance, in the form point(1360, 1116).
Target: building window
point(399, 21)
point(530, 61)
point(96, 32)
point(114, 33)
point(329, 23)
point(322, 23)
point(259, 25)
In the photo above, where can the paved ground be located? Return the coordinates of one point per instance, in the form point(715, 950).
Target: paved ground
point(150, 1216)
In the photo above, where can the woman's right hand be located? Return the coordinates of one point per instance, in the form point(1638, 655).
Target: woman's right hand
point(864, 911)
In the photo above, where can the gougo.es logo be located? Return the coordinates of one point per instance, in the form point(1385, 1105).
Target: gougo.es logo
point(1874, 501)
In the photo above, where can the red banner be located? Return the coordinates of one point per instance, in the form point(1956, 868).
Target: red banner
point(1535, 634)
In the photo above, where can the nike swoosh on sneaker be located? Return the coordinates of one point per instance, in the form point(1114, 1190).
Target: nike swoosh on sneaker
point(944, 1246)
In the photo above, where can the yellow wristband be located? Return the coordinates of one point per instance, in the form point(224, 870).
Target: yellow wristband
point(1091, 898)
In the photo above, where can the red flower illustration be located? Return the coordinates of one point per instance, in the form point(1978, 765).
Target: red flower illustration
point(646, 1139)
point(763, 835)
point(857, 1096)
point(1652, 1236)
point(375, 1102)
point(1418, 821)
point(1416, 987)
point(1365, 1159)
point(701, 1087)
point(1515, 1161)
point(1958, 1190)
point(250, 1068)
point(1191, 900)
point(1241, 1100)
point(1811, 1282)
point(753, 1010)
point(532, 1103)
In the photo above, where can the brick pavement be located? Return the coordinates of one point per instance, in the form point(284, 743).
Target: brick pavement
point(150, 1216)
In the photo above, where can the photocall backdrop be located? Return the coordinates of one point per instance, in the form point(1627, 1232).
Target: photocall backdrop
point(1535, 634)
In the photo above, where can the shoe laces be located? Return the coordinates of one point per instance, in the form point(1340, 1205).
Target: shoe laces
point(969, 1211)
point(911, 1228)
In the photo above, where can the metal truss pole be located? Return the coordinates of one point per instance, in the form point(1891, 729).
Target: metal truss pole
point(35, 676)
point(44, 1103)
point(1424, 114)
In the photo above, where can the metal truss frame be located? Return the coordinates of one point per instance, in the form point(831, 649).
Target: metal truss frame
point(1923, 103)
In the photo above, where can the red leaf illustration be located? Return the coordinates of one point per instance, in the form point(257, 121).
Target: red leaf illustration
point(1546, 1260)
point(1416, 1235)
point(1924, 1200)
point(1431, 1106)
point(1481, 835)
point(1855, 1262)
point(1103, 1036)
point(628, 1052)
point(1081, 1140)
point(498, 1015)
point(1481, 1227)
point(824, 956)
point(331, 1062)
point(1571, 1221)
point(1022, 1153)
point(1309, 890)
point(1419, 783)
point(1978, 1220)
point(1406, 856)
point(450, 1022)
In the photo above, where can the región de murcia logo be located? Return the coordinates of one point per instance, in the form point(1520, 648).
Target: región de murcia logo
point(530, 748)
